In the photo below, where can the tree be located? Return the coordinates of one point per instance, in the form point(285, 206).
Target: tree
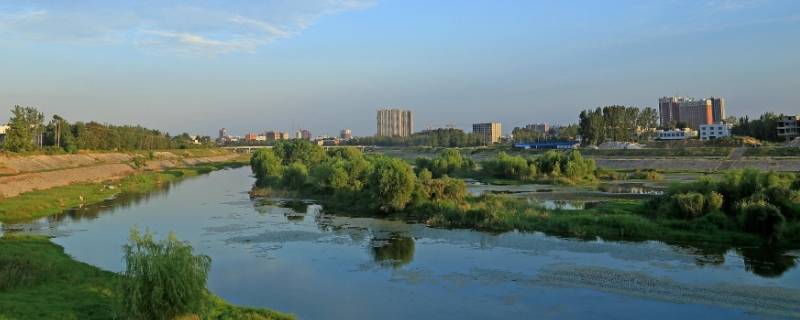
point(299, 150)
point(266, 166)
point(295, 176)
point(162, 279)
point(25, 128)
point(391, 184)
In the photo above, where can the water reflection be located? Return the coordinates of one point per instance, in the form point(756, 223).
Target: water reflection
point(119, 202)
point(630, 188)
point(395, 251)
point(767, 263)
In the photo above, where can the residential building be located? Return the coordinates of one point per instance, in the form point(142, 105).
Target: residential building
point(250, 137)
point(696, 113)
point(715, 131)
point(489, 132)
point(789, 127)
point(346, 134)
point(690, 111)
point(542, 128)
point(223, 133)
point(718, 109)
point(305, 134)
point(395, 123)
point(669, 109)
point(285, 135)
point(677, 134)
point(3, 130)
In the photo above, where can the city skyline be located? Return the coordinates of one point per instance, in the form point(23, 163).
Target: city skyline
point(327, 65)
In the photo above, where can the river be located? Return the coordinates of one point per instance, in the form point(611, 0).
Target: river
point(292, 257)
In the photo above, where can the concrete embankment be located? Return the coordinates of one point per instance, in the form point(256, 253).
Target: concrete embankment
point(40, 172)
point(10, 165)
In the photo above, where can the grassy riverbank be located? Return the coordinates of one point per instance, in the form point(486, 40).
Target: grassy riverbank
point(42, 203)
point(39, 281)
point(617, 220)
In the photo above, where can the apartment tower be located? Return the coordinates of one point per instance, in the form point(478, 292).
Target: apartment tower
point(690, 111)
point(489, 132)
point(395, 123)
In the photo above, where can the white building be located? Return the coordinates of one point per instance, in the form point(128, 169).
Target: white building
point(3, 130)
point(789, 127)
point(677, 134)
point(714, 131)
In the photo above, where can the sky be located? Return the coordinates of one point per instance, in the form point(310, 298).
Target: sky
point(325, 65)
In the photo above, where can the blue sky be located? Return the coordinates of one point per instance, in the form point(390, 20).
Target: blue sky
point(197, 66)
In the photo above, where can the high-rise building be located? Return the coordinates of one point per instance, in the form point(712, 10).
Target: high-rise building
point(696, 113)
point(718, 109)
point(394, 123)
point(489, 132)
point(346, 134)
point(690, 111)
point(305, 134)
point(669, 109)
point(223, 133)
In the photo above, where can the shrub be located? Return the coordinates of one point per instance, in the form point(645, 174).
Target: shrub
point(689, 205)
point(714, 201)
point(648, 174)
point(266, 166)
point(295, 176)
point(391, 184)
point(762, 218)
point(162, 279)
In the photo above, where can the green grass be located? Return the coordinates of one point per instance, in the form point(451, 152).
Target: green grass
point(39, 281)
point(42, 203)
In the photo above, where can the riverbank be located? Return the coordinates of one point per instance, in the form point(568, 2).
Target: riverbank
point(21, 174)
point(39, 281)
point(41, 203)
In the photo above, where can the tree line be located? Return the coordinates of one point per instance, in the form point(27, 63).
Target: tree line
point(442, 137)
point(617, 123)
point(563, 133)
point(764, 128)
point(28, 132)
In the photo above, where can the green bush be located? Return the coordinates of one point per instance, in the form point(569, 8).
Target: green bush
point(647, 174)
point(714, 201)
point(295, 176)
point(391, 184)
point(448, 162)
point(162, 279)
point(762, 218)
point(689, 205)
point(267, 167)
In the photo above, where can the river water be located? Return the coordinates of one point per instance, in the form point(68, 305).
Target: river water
point(292, 257)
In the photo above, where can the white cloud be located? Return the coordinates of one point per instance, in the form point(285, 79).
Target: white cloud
point(179, 26)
